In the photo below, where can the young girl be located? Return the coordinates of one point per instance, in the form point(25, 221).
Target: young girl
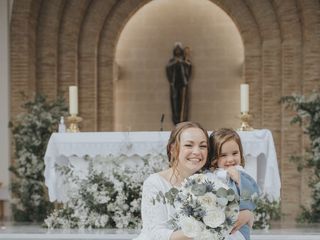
point(227, 163)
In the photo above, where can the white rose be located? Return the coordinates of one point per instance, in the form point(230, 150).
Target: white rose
point(220, 184)
point(102, 199)
point(200, 178)
point(214, 217)
point(208, 199)
point(190, 226)
point(207, 235)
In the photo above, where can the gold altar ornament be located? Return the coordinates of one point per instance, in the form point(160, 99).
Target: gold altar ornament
point(73, 121)
point(245, 122)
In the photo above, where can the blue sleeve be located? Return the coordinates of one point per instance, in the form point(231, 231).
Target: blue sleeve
point(248, 189)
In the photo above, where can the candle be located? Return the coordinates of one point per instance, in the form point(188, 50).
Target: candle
point(244, 98)
point(73, 100)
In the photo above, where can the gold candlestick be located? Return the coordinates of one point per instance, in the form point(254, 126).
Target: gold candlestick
point(73, 123)
point(245, 122)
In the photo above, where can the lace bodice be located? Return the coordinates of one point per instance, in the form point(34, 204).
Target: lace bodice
point(155, 216)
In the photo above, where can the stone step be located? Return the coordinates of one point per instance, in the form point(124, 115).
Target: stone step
point(29, 232)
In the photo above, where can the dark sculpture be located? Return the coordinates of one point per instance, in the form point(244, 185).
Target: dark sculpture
point(178, 73)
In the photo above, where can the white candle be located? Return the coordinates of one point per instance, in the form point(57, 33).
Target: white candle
point(73, 100)
point(244, 98)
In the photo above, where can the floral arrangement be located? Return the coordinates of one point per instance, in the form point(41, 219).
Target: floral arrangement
point(307, 115)
point(206, 207)
point(108, 197)
point(31, 131)
point(266, 210)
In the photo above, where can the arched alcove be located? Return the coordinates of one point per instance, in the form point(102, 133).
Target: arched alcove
point(141, 89)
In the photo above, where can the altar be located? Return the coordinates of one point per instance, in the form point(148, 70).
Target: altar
point(258, 146)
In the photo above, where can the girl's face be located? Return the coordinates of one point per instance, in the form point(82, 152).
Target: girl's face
point(193, 151)
point(229, 155)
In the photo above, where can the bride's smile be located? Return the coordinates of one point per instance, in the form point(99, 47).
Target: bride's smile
point(193, 151)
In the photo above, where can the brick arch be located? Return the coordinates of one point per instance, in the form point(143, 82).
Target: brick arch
point(47, 47)
point(250, 32)
point(22, 52)
point(237, 10)
point(73, 14)
point(261, 36)
point(113, 26)
point(264, 30)
point(89, 39)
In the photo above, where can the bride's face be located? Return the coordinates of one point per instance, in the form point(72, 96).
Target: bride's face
point(193, 151)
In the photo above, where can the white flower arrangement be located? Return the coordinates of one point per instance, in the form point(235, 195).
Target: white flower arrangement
point(110, 195)
point(31, 131)
point(206, 207)
point(267, 209)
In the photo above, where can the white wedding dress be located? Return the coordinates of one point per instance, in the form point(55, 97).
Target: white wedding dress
point(155, 217)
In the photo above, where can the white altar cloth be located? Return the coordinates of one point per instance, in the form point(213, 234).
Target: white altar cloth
point(258, 146)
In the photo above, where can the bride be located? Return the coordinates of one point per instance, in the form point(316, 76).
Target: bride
point(187, 152)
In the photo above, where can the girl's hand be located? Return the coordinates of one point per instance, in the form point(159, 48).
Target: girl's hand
point(234, 174)
point(244, 217)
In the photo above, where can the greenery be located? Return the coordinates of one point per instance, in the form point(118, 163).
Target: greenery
point(307, 111)
point(108, 196)
point(265, 211)
point(31, 132)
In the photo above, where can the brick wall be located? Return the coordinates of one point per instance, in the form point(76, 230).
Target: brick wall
point(58, 43)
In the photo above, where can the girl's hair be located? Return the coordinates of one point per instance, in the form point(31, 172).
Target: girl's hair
point(173, 146)
point(217, 139)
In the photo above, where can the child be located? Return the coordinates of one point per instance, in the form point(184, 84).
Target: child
point(227, 163)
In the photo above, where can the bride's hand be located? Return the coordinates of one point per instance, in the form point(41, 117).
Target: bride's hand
point(178, 235)
point(244, 217)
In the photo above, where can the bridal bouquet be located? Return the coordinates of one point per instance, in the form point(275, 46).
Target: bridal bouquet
point(206, 207)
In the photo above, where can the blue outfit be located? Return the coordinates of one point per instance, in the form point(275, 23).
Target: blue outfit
point(246, 189)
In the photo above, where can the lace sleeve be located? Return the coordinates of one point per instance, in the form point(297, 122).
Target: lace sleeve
point(154, 216)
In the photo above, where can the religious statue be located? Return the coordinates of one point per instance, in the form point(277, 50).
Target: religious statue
point(178, 73)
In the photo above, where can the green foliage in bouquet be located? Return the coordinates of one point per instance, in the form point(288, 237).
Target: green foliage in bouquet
point(31, 132)
point(307, 111)
point(266, 210)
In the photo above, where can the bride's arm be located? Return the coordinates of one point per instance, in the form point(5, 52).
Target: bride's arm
point(244, 217)
point(155, 215)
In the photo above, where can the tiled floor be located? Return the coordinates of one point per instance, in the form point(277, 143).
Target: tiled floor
point(28, 232)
